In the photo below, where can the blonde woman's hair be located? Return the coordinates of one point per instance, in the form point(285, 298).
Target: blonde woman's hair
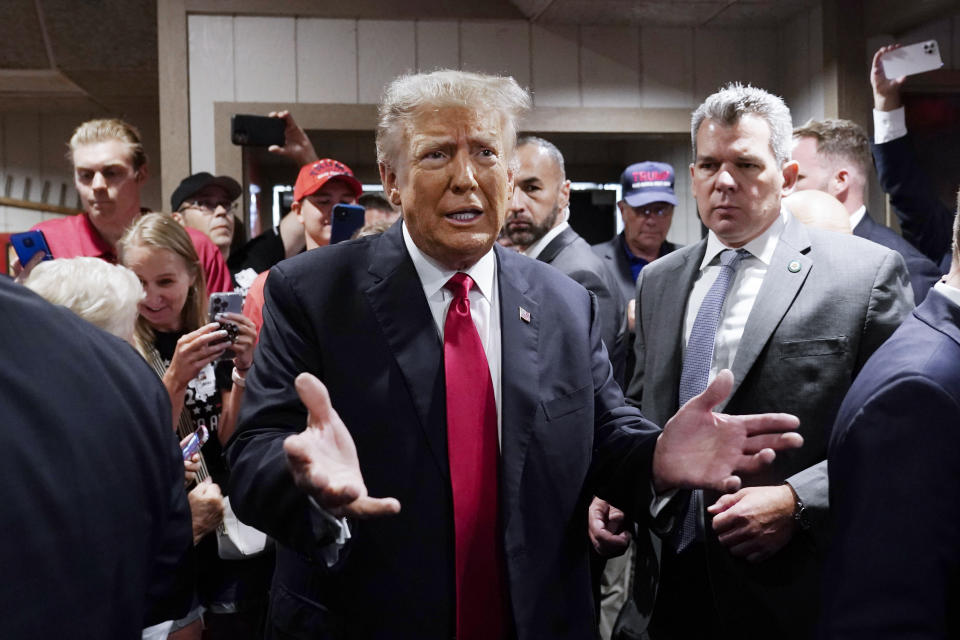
point(101, 293)
point(161, 231)
point(104, 130)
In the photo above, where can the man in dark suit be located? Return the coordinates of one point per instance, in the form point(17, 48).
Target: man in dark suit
point(646, 209)
point(537, 225)
point(488, 410)
point(834, 157)
point(894, 565)
point(925, 221)
point(802, 311)
point(96, 528)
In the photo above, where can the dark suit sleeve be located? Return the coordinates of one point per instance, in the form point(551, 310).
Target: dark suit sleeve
point(612, 317)
point(924, 220)
point(634, 391)
point(624, 440)
point(895, 470)
point(262, 491)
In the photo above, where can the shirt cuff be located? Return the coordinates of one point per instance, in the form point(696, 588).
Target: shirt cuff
point(325, 527)
point(889, 125)
point(659, 502)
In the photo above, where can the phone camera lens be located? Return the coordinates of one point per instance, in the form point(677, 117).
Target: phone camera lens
point(28, 242)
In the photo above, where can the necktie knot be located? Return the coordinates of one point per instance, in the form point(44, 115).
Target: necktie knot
point(459, 285)
point(730, 258)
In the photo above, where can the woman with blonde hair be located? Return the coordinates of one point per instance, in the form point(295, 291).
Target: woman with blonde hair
point(173, 334)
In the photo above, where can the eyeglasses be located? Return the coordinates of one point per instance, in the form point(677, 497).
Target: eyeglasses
point(210, 206)
point(659, 210)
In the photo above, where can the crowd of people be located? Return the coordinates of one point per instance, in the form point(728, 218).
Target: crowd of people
point(466, 421)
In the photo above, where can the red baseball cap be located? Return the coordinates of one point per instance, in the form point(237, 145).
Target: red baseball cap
point(316, 174)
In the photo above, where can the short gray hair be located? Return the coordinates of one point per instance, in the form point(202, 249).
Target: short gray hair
point(103, 294)
point(406, 95)
point(549, 148)
point(735, 100)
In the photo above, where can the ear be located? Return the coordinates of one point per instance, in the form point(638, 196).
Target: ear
point(295, 210)
point(791, 171)
point(564, 198)
point(388, 177)
point(178, 216)
point(142, 174)
point(840, 185)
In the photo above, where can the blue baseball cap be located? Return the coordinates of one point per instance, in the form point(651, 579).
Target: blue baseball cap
point(646, 182)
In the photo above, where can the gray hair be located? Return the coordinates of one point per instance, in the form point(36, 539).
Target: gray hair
point(406, 95)
point(103, 294)
point(549, 148)
point(735, 100)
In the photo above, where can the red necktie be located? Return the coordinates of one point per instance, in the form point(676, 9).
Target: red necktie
point(473, 450)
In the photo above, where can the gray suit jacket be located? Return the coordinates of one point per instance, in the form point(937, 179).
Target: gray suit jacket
point(808, 335)
point(571, 254)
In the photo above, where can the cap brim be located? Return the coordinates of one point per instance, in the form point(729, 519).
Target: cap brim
point(648, 197)
point(343, 177)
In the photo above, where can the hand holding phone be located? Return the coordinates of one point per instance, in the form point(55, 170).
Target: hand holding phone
point(196, 440)
point(911, 59)
point(226, 302)
point(28, 244)
point(257, 131)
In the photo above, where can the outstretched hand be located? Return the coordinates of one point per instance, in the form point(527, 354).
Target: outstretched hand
point(297, 145)
point(323, 459)
point(886, 91)
point(702, 449)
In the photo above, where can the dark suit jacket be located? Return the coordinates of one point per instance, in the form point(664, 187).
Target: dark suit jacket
point(925, 222)
point(616, 262)
point(95, 537)
point(894, 568)
point(571, 254)
point(923, 273)
point(808, 334)
point(365, 329)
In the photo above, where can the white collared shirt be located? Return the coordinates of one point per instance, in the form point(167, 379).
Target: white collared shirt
point(889, 125)
point(484, 303)
point(741, 295)
point(537, 247)
point(950, 293)
point(857, 216)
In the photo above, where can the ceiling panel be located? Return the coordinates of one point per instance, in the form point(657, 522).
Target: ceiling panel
point(21, 41)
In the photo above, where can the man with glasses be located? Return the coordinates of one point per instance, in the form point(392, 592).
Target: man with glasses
point(208, 203)
point(647, 211)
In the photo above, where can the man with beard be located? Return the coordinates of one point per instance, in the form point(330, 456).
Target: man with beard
point(537, 223)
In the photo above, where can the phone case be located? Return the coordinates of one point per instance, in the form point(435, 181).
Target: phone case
point(347, 219)
point(226, 302)
point(28, 243)
point(256, 131)
point(912, 59)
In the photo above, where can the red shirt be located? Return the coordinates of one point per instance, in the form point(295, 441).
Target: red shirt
point(253, 304)
point(75, 236)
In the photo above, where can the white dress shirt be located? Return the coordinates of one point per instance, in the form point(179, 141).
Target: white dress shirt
point(889, 125)
point(857, 216)
point(484, 303)
point(950, 293)
point(741, 295)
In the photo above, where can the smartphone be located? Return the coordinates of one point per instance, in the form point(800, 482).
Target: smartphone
point(911, 59)
point(256, 131)
point(347, 220)
point(226, 302)
point(197, 439)
point(29, 243)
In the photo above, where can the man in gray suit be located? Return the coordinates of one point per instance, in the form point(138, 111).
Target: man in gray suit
point(537, 225)
point(794, 313)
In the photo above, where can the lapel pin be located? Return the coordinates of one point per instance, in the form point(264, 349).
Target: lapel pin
point(794, 266)
point(524, 315)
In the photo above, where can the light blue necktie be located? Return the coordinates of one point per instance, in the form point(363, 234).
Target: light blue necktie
point(696, 370)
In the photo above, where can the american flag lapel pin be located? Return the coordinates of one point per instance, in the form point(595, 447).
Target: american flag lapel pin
point(524, 315)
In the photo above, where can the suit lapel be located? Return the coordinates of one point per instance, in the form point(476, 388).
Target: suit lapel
point(555, 246)
point(786, 274)
point(519, 373)
point(666, 331)
point(401, 309)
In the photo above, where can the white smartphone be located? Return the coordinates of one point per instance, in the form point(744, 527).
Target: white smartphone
point(911, 59)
